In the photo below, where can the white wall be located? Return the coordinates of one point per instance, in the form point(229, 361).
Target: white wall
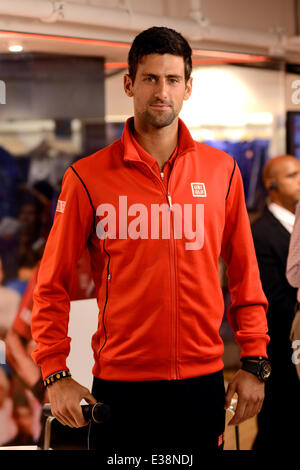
point(227, 102)
point(237, 103)
point(117, 104)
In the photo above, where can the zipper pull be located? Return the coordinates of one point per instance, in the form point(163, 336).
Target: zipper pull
point(162, 175)
point(170, 201)
point(108, 277)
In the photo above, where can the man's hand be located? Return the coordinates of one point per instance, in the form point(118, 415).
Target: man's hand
point(65, 396)
point(250, 391)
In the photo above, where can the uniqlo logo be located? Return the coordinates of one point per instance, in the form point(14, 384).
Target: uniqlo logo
point(198, 189)
point(60, 206)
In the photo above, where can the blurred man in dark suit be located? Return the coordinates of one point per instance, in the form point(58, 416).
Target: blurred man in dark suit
point(271, 234)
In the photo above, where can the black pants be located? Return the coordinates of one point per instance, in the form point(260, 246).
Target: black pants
point(181, 415)
point(278, 421)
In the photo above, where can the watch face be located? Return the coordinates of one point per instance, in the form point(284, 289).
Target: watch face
point(265, 370)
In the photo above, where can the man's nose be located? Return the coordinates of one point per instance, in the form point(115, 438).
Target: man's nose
point(161, 89)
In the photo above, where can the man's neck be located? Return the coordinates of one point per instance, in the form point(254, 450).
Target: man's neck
point(160, 143)
point(289, 206)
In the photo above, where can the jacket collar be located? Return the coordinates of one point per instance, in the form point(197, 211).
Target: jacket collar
point(186, 143)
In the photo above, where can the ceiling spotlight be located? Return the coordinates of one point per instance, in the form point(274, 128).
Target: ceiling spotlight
point(15, 48)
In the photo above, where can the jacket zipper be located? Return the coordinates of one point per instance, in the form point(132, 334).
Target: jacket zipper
point(174, 374)
point(174, 371)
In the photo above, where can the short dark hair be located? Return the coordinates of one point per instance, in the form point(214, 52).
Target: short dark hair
point(159, 40)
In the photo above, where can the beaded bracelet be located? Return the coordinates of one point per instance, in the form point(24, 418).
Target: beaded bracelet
point(56, 376)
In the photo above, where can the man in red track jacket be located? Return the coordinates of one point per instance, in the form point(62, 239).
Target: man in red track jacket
point(156, 210)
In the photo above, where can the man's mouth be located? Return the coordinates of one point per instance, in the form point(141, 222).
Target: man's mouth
point(160, 106)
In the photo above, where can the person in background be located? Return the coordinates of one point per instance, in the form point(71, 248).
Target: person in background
point(271, 234)
point(23, 416)
point(9, 303)
point(8, 427)
point(22, 240)
point(293, 276)
point(19, 342)
point(21, 254)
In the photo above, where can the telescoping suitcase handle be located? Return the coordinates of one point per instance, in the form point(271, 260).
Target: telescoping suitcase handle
point(98, 412)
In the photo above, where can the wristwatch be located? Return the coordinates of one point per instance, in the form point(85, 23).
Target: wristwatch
point(258, 366)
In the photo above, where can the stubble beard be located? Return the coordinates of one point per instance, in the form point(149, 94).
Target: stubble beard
point(159, 121)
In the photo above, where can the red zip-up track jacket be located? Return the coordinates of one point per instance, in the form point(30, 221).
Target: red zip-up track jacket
point(158, 290)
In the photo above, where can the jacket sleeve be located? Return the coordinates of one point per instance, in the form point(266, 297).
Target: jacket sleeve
point(247, 312)
point(293, 261)
point(71, 228)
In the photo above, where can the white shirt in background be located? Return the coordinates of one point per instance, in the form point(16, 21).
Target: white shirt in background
point(285, 217)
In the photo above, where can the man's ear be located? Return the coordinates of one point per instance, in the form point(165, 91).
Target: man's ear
point(128, 85)
point(188, 88)
point(270, 184)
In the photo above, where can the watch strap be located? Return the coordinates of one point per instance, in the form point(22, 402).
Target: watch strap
point(251, 366)
point(252, 358)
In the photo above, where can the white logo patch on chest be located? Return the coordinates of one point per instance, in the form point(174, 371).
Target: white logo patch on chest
point(198, 189)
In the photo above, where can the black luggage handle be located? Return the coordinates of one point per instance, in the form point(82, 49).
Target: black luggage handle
point(98, 412)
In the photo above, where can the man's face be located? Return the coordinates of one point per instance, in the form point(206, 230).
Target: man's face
point(158, 90)
point(288, 180)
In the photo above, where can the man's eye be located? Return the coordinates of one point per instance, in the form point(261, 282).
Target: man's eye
point(173, 80)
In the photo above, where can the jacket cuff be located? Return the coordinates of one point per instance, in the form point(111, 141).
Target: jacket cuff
point(255, 347)
point(53, 364)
